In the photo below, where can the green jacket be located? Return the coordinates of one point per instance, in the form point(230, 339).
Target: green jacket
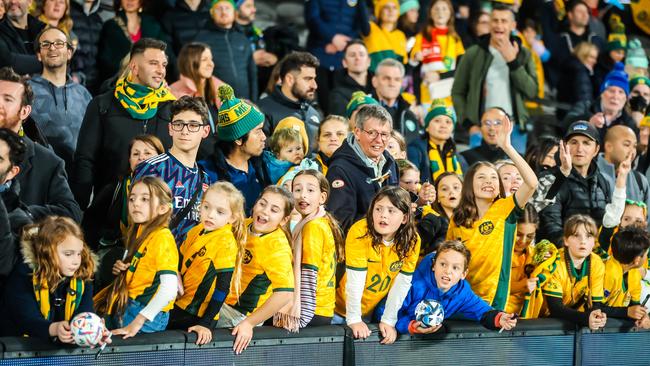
point(467, 92)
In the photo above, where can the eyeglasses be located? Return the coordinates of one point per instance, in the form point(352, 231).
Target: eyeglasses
point(57, 44)
point(490, 123)
point(373, 134)
point(192, 126)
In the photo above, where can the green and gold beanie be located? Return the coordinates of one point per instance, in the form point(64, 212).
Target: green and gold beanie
point(214, 2)
point(640, 79)
point(358, 99)
point(236, 117)
point(438, 108)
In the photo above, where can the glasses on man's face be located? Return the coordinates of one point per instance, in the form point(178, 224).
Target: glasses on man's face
point(373, 134)
point(492, 123)
point(57, 44)
point(192, 126)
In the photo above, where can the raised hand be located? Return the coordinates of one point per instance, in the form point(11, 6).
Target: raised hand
point(503, 134)
point(566, 163)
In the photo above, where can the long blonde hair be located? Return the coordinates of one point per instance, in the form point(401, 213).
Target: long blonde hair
point(119, 288)
point(43, 238)
point(236, 203)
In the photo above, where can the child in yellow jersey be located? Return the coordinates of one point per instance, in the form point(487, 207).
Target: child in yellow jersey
point(437, 47)
point(51, 284)
point(140, 297)
point(575, 290)
point(211, 253)
point(266, 283)
point(622, 287)
point(317, 247)
point(381, 252)
point(385, 40)
point(486, 223)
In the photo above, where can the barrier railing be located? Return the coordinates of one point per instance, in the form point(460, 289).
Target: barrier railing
point(532, 342)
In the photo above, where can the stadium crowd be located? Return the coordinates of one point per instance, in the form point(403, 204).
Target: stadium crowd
point(173, 166)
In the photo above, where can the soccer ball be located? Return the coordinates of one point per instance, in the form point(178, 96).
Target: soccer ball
point(430, 313)
point(87, 329)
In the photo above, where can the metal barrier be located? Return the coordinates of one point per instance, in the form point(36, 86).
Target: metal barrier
point(532, 342)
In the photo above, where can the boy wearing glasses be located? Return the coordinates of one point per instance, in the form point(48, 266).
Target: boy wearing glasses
point(178, 168)
point(59, 102)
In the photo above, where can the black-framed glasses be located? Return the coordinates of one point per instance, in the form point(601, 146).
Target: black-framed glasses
point(192, 126)
point(373, 134)
point(57, 44)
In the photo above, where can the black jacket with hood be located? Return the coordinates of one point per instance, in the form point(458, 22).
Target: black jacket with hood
point(341, 93)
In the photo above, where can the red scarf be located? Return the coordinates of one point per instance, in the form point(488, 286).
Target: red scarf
point(431, 50)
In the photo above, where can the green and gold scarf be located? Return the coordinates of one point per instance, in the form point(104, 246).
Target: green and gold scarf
point(139, 100)
point(72, 299)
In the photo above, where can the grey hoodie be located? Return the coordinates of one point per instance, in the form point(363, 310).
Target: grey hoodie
point(636, 186)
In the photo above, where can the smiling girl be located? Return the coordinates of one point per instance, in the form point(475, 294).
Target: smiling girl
point(266, 283)
point(381, 252)
point(486, 223)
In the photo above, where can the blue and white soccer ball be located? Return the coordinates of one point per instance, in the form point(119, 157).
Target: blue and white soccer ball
point(430, 313)
point(87, 329)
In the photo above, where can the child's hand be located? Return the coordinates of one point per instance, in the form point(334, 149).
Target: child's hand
point(643, 323)
point(566, 162)
point(204, 335)
point(416, 327)
point(119, 267)
point(507, 321)
point(388, 332)
point(132, 329)
point(427, 194)
point(623, 170)
point(244, 334)
point(637, 312)
point(597, 319)
point(61, 330)
point(360, 330)
point(531, 284)
point(106, 337)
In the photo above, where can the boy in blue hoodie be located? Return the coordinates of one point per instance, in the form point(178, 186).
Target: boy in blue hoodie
point(441, 277)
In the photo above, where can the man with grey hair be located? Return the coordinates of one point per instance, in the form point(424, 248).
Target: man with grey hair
point(361, 166)
point(387, 83)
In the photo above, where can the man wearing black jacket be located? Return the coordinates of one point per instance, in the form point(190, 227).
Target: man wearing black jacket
point(361, 166)
point(353, 77)
point(185, 20)
point(42, 177)
point(18, 30)
point(492, 120)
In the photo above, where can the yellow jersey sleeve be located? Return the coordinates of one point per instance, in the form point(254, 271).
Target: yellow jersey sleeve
point(227, 258)
point(411, 261)
point(356, 249)
point(166, 252)
point(634, 279)
point(597, 279)
point(278, 266)
point(553, 287)
point(313, 239)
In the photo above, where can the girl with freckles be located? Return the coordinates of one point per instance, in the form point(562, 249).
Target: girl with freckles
point(486, 222)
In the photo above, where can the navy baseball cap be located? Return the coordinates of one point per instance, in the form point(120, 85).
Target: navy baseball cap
point(583, 128)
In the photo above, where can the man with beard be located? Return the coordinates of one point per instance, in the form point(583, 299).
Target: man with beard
point(18, 30)
point(59, 103)
point(294, 96)
point(42, 178)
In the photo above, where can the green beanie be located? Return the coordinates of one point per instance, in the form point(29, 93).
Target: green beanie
point(439, 110)
point(214, 2)
point(236, 117)
point(358, 99)
point(639, 80)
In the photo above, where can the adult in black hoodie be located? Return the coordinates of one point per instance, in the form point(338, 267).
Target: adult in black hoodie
point(17, 42)
point(361, 166)
point(351, 78)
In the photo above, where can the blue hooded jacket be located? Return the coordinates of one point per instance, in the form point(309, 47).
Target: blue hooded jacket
point(459, 300)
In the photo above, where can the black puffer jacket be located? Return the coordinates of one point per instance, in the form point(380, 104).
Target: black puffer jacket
point(577, 195)
point(354, 184)
point(87, 27)
point(233, 57)
point(183, 24)
point(14, 52)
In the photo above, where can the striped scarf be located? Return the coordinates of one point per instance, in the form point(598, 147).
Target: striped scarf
point(72, 299)
point(139, 100)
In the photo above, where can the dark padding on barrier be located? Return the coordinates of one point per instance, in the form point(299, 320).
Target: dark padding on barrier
point(467, 343)
point(619, 343)
point(271, 346)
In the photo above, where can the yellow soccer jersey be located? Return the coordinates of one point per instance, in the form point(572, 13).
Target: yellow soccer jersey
point(267, 267)
point(156, 256)
point(621, 289)
point(491, 241)
point(517, 274)
point(203, 256)
point(382, 267)
point(319, 254)
point(577, 288)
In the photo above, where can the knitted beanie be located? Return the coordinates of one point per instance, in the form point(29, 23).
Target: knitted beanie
point(617, 40)
point(636, 56)
point(358, 99)
point(616, 77)
point(214, 2)
point(406, 5)
point(379, 5)
point(438, 108)
point(238, 3)
point(298, 125)
point(236, 117)
point(640, 79)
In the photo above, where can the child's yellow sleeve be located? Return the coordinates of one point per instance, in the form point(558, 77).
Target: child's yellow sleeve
point(225, 257)
point(634, 284)
point(166, 252)
point(278, 267)
point(597, 278)
point(356, 247)
point(553, 287)
point(411, 261)
point(313, 238)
